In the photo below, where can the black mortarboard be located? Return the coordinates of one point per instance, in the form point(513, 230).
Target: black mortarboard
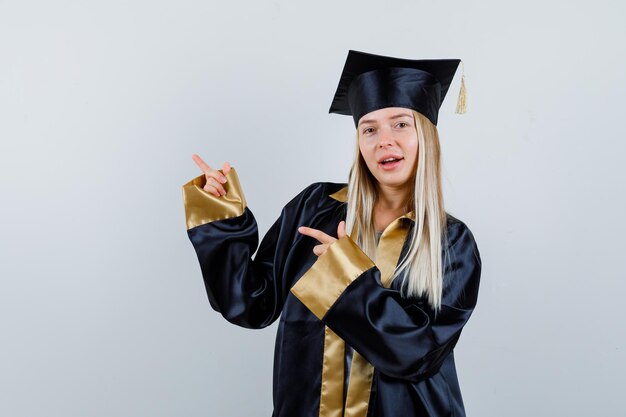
point(370, 82)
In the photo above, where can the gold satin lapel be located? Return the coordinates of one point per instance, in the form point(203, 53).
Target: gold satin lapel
point(389, 248)
point(331, 398)
point(361, 371)
point(341, 195)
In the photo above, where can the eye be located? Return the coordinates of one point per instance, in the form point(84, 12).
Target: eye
point(368, 130)
point(402, 124)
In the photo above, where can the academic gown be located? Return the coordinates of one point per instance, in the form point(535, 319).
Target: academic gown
point(402, 362)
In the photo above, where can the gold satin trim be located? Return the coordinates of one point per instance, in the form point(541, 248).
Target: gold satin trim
point(202, 207)
point(389, 248)
point(329, 276)
point(346, 262)
point(331, 398)
point(359, 386)
point(361, 371)
point(341, 195)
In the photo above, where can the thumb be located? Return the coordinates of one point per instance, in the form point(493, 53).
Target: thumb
point(226, 168)
point(341, 229)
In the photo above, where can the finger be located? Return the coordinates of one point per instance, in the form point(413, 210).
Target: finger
point(320, 249)
point(226, 168)
point(215, 183)
point(211, 189)
point(217, 175)
point(203, 165)
point(341, 229)
point(208, 171)
point(317, 234)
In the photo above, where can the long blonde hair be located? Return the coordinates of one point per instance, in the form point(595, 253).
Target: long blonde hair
point(423, 261)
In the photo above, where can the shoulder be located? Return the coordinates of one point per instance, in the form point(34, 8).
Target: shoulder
point(456, 228)
point(318, 193)
point(460, 237)
point(462, 266)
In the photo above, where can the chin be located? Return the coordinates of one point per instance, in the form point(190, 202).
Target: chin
point(394, 181)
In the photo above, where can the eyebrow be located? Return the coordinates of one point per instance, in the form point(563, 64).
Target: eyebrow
point(396, 116)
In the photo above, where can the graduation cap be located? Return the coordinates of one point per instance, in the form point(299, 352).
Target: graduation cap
point(370, 82)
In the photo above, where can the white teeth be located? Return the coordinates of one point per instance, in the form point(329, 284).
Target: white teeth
point(388, 159)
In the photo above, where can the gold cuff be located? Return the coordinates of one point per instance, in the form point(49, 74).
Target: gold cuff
point(202, 207)
point(330, 274)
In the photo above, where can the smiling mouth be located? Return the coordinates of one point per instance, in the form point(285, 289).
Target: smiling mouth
point(390, 161)
point(389, 165)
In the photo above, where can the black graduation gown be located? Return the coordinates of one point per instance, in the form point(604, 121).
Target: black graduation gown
point(403, 362)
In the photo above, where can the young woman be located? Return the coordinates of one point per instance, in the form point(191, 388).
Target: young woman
point(372, 280)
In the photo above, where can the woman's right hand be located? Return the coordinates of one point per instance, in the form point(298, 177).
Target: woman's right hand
point(214, 178)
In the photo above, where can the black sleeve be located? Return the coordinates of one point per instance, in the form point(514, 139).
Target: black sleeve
point(247, 292)
point(396, 335)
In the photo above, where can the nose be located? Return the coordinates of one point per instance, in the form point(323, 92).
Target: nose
point(386, 138)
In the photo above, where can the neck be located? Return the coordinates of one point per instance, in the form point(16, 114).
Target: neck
point(392, 199)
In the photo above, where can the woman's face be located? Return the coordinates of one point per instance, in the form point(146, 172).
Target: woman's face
point(389, 133)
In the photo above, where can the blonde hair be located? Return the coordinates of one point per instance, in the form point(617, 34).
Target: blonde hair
point(423, 264)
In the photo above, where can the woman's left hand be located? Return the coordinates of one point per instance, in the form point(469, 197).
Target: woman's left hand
point(325, 239)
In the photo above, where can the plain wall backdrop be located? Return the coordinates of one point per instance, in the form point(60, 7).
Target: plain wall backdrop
point(102, 103)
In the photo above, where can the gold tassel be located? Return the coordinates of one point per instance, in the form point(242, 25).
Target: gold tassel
point(461, 104)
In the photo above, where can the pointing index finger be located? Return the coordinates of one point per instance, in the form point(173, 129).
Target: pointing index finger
point(203, 165)
point(317, 234)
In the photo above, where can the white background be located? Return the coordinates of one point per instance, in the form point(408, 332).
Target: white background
point(102, 306)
